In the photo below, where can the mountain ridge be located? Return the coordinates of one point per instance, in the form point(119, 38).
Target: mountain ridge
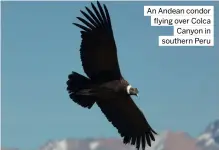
point(166, 140)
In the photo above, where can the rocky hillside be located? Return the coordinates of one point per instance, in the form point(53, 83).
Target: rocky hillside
point(209, 139)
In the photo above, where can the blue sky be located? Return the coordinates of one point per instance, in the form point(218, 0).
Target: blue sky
point(40, 47)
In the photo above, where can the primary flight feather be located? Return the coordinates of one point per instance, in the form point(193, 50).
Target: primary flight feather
point(105, 85)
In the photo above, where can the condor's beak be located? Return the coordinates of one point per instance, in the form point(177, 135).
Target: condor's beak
point(137, 95)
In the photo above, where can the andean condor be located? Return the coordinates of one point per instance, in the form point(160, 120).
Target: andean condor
point(105, 85)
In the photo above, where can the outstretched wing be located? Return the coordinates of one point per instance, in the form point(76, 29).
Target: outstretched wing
point(129, 121)
point(98, 48)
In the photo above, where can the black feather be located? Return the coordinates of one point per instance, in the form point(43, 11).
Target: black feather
point(86, 23)
point(82, 27)
point(89, 18)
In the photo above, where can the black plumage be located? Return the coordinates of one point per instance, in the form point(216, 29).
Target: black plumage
point(105, 85)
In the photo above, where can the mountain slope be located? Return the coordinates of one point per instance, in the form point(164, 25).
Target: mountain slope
point(209, 139)
point(168, 140)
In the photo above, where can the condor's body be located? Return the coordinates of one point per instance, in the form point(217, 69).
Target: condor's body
point(104, 84)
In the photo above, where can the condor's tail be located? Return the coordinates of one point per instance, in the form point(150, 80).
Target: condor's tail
point(78, 89)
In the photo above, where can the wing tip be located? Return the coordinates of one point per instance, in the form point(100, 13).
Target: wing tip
point(92, 4)
point(97, 17)
point(145, 140)
point(98, 2)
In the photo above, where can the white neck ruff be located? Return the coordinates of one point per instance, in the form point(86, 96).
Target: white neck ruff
point(128, 89)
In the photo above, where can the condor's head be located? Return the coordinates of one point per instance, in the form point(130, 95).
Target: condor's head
point(132, 91)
